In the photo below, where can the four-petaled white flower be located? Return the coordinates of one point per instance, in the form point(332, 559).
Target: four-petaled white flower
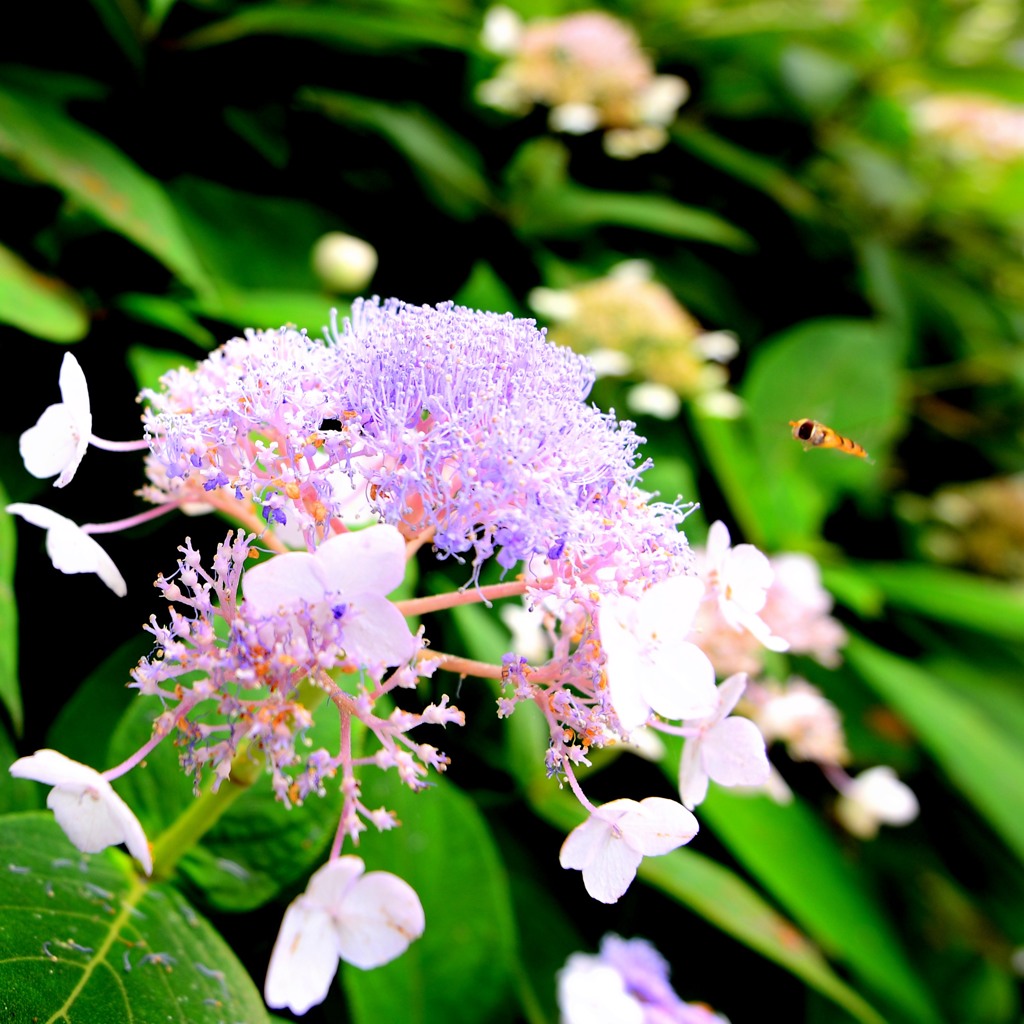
point(729, 750)
point(365, 920)
point(350, 574)
point(57, 443)
point(85, 805)
point(649, 664)
point(610, 844)
point(875, 797)
point(740, 577)
point(70, 548)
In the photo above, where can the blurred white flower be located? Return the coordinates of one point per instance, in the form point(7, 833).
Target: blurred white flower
point(875, 797)
point(343, 262)
point(85, 805)
point(71, 549)
point(364, 919)
point(654, 399)
point(58, 441)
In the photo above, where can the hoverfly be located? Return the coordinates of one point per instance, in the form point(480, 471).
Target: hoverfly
point(817, 435)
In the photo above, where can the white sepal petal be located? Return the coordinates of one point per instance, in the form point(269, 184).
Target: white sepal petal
point(71, 549)
point(381, 915)
point(60, 438)
point(85, 805)
point(304, 960)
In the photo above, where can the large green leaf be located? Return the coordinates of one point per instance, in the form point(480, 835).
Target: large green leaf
point(460, 971)
point(266, 309)
point(843, 373)
point(956, 598)
point(10, 689)
point(85, 939)
point(37, 304)
point(722, 898)
point(390, 26)
point(978, 752)
point(787, 849)
point(46, 144)
point(545, 203)
point(447, 165)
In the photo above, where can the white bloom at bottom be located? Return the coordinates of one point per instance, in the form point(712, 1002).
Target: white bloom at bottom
point(71, 549)
point(364, 919)
point(875, 797)
point(610, 844)
point(85, 805)
point(592, 992)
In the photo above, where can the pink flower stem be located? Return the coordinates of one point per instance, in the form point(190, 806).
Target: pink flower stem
point(423, 605)
point(118, 446)
point(464, 666)
point(183, 708)
point(575, 786)
point(125, 524)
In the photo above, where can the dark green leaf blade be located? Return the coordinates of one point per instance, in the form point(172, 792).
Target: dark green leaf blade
point(38, 304)
point(85, 939)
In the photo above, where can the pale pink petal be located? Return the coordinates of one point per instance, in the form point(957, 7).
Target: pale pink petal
point(381, 914)
point(70, 549)
point(49, 446)
point(585, 842)
point(85, 805)
point(370, 560)
point(305, 959)
point(284, 581)
point(75, 394)
point(693, 780)
point(60, 437)
point(592, 992)
point(718, 542)
point(377, 633)
point(657, 826)
point(679, 682)
point(734, 755)
point(611, 873)
point(328, 885)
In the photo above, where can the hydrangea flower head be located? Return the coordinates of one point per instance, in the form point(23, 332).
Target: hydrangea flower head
point(364, 919)
point(873, 798)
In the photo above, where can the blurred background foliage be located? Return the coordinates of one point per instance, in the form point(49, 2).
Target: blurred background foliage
point(842, 192)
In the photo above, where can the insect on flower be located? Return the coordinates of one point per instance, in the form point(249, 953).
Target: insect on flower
point(816, 434)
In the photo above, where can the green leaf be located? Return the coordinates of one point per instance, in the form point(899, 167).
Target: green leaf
point(391, 26)
point(38, 304)
point(169, 314)
point(252, 242)
point(750, 168)
point(85, 939)
point(545, 203)
point(842, 373)
point(46, 144)
point(466, 957)
point(449, 168)
point(956, 598)
point(792, 855)
point(148, 365)
point(723, 899)
point(484, 289)
point(978, 753)
point(10, 689)
point(15, 795)
point(267, 309)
